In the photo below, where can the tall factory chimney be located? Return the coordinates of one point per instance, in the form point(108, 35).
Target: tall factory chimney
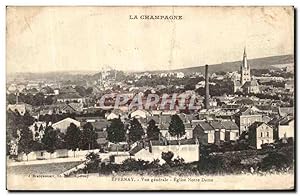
point(206, 88)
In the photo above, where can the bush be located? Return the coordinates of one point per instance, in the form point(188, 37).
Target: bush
point(178, 162)
point(277, 161)
point(154, 164)
point(134, 165)
point(267, 146)
point(108, 168)
point(167, 156)
point(92, 166)
point(219, 164)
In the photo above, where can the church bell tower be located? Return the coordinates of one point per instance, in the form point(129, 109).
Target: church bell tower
point(245, 69)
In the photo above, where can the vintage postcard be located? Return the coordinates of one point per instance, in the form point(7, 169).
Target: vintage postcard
point(150, 98)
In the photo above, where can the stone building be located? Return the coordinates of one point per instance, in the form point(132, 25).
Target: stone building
point(260, 133)
point(246, 84)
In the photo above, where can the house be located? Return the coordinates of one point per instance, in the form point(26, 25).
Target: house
point(215, 131)
point(204, 132)
point(14, 88)
point(59, 108)
point(64, 124)
point(246, 117)
point(286, 128)
point(260, 133)
point(139, 114)
point(70, 97)
point(231, 130)
point(21, 108)
point(77, 107)
point(111, 116)
point(219, 131)
point(286, 111)
point(289, 85)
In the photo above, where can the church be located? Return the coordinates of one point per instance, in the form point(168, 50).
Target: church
point(246, 84)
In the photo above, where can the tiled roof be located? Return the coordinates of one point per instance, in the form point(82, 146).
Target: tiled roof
point(285, 121)
point(255, 125)
point(69, 96)
point(230, 125)
point(216, 125)
point(286, 110)
point(247, 111)
point(205, 126)
point(173, 142)
point(99, 124)
point(76, 106)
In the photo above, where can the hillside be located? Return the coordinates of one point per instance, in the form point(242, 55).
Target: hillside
point(258, 63)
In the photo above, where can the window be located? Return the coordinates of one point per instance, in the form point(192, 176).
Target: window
point(262, 141)
point(42, 153)
point(261, 134)
point(267, 134)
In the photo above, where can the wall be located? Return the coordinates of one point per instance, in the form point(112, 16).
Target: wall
point(189, 152)
point(287, 130)
point(246, 121)
point(264, 135)
point(61, 153)
point(188, 134)
point(64, 124)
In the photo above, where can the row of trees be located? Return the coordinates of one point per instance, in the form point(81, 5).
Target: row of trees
point(74, 138)
point(38, 99)
point(117, 130)
point(54, 139)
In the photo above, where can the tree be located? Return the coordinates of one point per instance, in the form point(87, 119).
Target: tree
point(38, 99)
point(72, 137)
point(81, 90)
point(89, 90)
point(167, 157)
point(92, 164)
point(116, 131)
point(152, 130)
point(50, 139)
point(26, 120)
point(25, 142)
point(11, 124)
point(88, 137)
point(136, 131)
point(176, 127)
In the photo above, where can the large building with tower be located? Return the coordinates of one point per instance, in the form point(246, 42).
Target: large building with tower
point(246, 84)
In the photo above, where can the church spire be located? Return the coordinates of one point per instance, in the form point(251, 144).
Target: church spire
point(245, 64)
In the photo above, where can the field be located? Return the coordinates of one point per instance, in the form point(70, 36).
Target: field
point(51, 168)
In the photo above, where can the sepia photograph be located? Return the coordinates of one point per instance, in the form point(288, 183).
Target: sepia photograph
point(153, 98)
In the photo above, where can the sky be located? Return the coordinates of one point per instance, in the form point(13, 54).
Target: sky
point(47, 39)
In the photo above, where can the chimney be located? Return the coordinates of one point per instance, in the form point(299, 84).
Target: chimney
point(206, 88)
point(17, 97)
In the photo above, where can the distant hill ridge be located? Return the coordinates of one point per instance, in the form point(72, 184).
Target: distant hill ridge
point(257, 63)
